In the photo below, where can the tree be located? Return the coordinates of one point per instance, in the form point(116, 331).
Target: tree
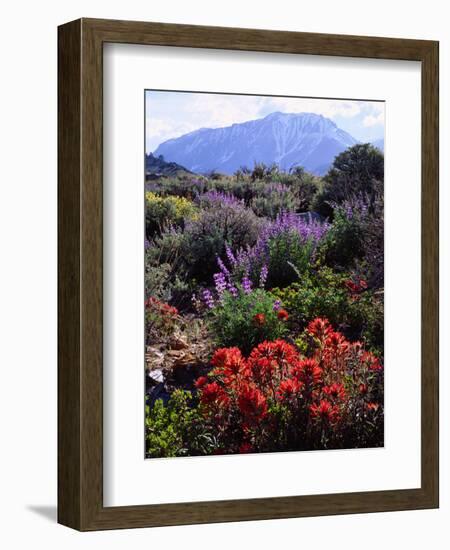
point(359, 170)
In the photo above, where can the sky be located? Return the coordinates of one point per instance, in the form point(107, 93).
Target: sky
point(172, 114)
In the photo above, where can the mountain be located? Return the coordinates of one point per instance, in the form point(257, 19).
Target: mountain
point(288, 139)
point(379, 144)
point(156, 166)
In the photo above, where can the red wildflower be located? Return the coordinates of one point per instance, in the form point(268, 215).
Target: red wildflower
point(223, 356)
point(373, 406)
point(228, 362)
point(308, 372)
point(200, 382)
point(356, 287)
point(245, 448)
point(337, 391)
point(372, 361)
point(283, 315)
point(262, 368)
point(214, 394)
point(252, 403)
point(270, 357)
point(357, 347)
point(288, 388)
point(337, 344)
point(319, 328)
point(278, 350)
point(352, 287)
point(210, 392)
point(259, 319)
point(160, 307)
point(363, 389)
point(325, 411)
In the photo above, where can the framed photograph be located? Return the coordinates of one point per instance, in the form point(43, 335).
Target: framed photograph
point(248, 274)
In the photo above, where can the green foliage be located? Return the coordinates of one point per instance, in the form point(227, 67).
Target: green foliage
point(272, 200)
point(175, 429)
point(289, 257)
point(246, 320)
point(319, 293)
point(323, 293)
point(304, 185)
point(344, 242)
point(355, 171)
point(157, 281)
point(166, 276)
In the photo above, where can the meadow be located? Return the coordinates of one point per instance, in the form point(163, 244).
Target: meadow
point(264, 309)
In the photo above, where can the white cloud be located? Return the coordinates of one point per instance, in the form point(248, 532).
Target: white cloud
point(373, 120)
point(172, 114)
point(327, 107)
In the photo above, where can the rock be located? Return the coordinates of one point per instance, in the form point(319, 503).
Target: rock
point(156, 375)
point(178, 342)
point(154, 358)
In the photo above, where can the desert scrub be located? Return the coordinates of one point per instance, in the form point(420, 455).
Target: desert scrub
point(166, 275)
point(206, 237)
point(188, 187)
point(273, 199)
point(176, 429)
point(164, 212)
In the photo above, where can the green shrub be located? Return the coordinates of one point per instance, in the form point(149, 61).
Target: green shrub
point(246, 320)
point(344, 242)
point(358, 170)
point(304, 186)
point(166, 272)
point(324, 293)
point(157, 281)
point(273, 199)
point(319, 293)
point(289, 256)
point(176, 429)
point(206, 237)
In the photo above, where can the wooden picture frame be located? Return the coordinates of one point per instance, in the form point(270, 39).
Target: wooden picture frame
point(80, 272)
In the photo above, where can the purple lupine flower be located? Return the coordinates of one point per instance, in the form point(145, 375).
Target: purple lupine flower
point(254, 260)
point(223, 268)
point(246, 285)
point(276, 305)
point(232, 290)
point(217, 198)
point(147, 244)
point(289, 223)
point(243, 261)
point(263, 276)
point(275, 187)
point(208, 298)
point(220, 282)
point(355, 206)
point(230, 255)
